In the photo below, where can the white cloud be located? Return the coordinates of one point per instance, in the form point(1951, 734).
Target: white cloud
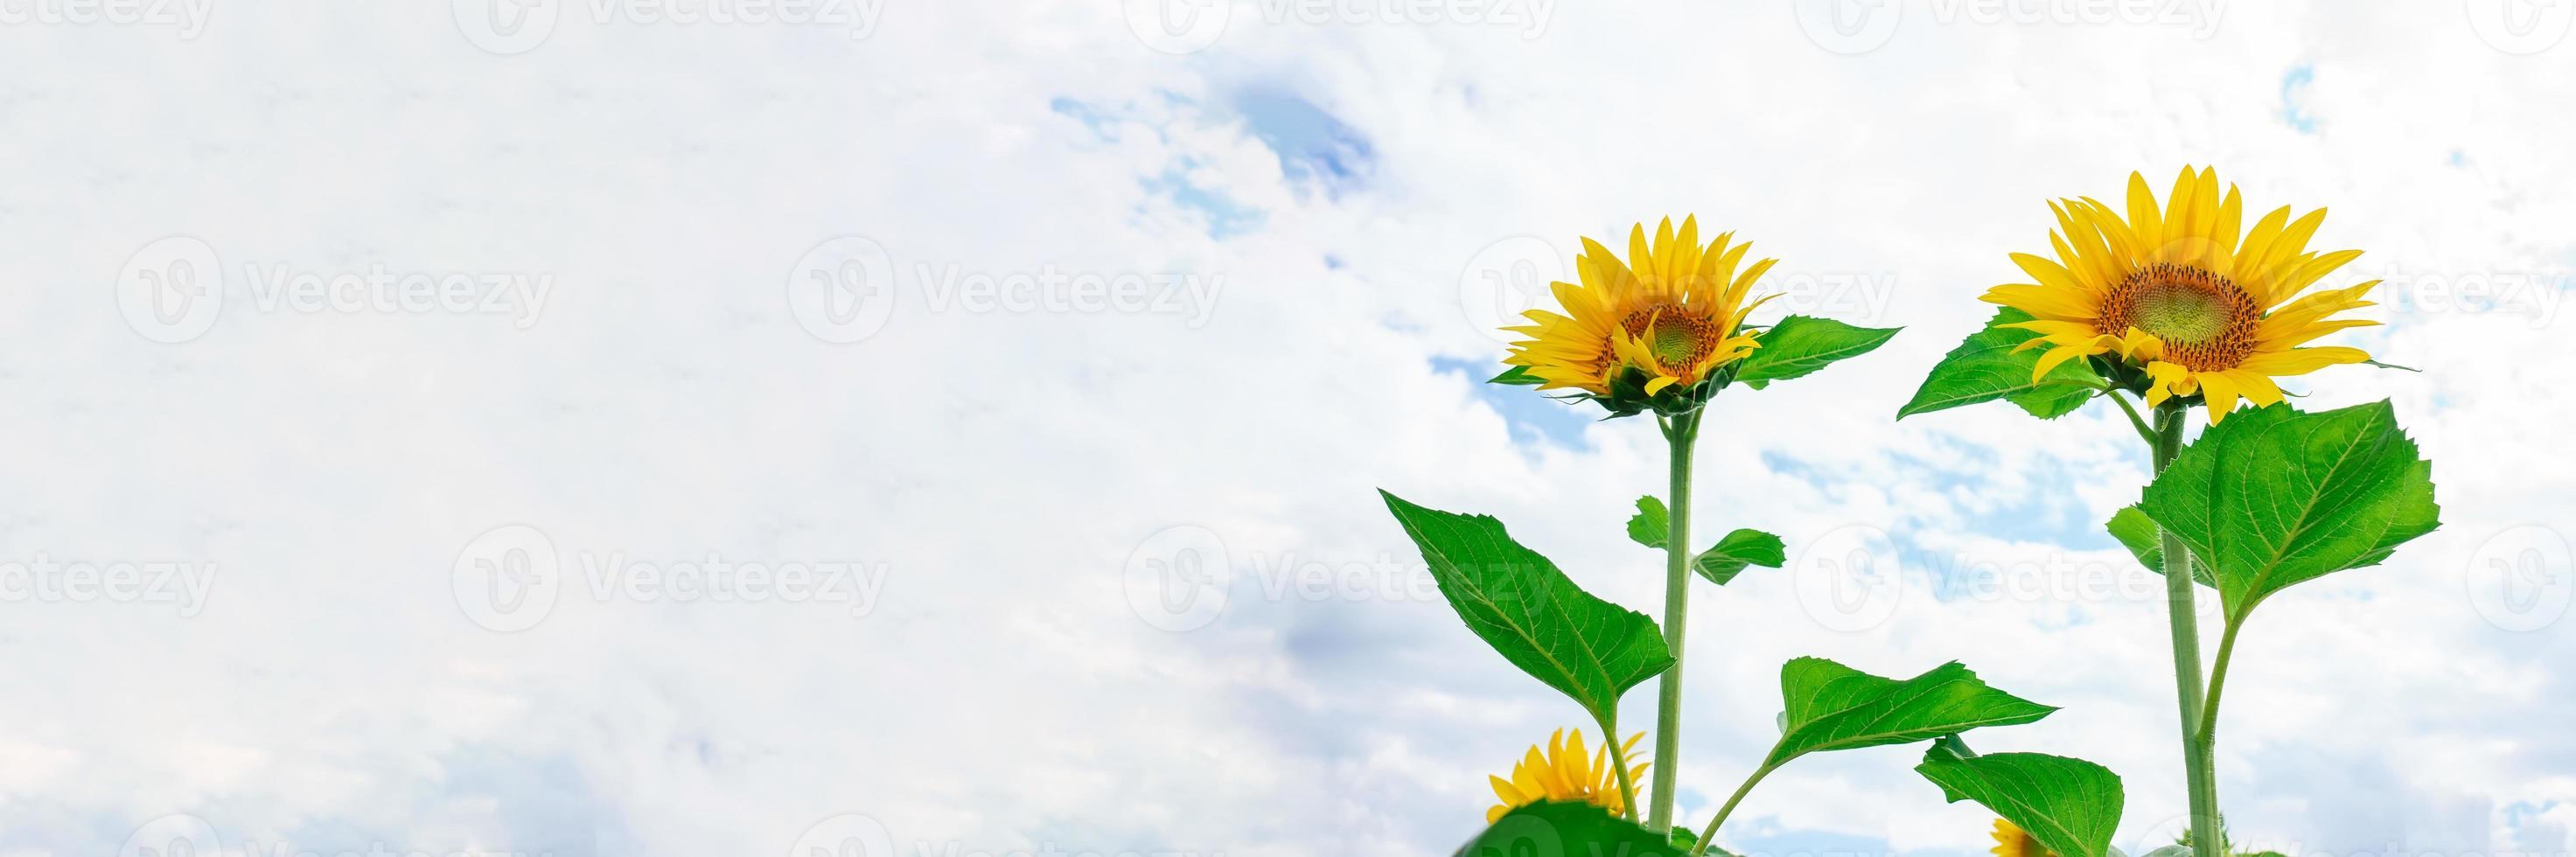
point(1002, 460)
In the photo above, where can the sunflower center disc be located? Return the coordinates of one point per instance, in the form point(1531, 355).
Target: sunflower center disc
point(2177, 313)
point(1677, 339)
point(2205, 322)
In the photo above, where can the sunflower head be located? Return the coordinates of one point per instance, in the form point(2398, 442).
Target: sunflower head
point(2011, 841)
point(2177, 301)
point(1565, 770)
point(1658, 331)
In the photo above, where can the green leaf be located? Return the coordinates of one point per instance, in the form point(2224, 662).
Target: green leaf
point(1566, 829)
point(1590, 649)
point(1651, 526)
point(1800, 344)
point(1985, 368)
point(2069, 805)
point(1739, 549)
point(2139, 534)
point(1835, 707)
point(2272, 497)
point(1518, 375)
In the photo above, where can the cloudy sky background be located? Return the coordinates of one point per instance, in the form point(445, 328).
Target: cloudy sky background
point(636, 236)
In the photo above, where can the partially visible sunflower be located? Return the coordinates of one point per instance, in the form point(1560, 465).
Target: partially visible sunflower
point(1667, 318)
point(2011, 841)
point(1565, 772)
point(2181, 299)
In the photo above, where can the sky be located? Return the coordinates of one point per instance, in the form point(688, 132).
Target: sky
point(869, 427)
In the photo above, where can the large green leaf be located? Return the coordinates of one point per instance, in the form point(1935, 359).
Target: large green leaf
point(1652, 525)
point(1800, 344)
point(2272, 496)
point(1739, 549)
point(1835, 707)
point(2139, 534)
point(1529, 611)
point(1986, 367)
point(2069, 805)
point(1566, 829)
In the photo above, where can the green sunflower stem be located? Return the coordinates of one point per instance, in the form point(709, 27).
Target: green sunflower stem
point(1709, 835)
point(1619, 762)
point(2197, 756)
point(1681, 431)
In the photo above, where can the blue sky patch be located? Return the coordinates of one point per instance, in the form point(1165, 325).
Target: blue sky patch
point(2294, 96)
point(1532, 415)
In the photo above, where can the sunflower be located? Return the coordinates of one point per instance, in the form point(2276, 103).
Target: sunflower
point(1667, 318)
point(2010, 841)
point(2180, 299)
point(1566, 772)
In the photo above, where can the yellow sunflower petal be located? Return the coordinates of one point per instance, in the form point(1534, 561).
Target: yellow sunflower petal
point(2144, 221)
point(1743, 284)
point(2052, 327)
point(2273, 340)
point(2082, 251)
point(1737, 320)
point(2301, 361)
point(2126, 249)
point(2054, 276)
point(2315, 306)
point(2166, 381)
point(2138, 346)
point(2231, 213)
point(2289, 284)
point(2219, 391)
point(2044, 302)
point(1571, 763)
point(2258, 240)
point(2059, 355)
point(2255, 387)
point(2179, 204)
point(1684, 255)
point(2292, 244)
